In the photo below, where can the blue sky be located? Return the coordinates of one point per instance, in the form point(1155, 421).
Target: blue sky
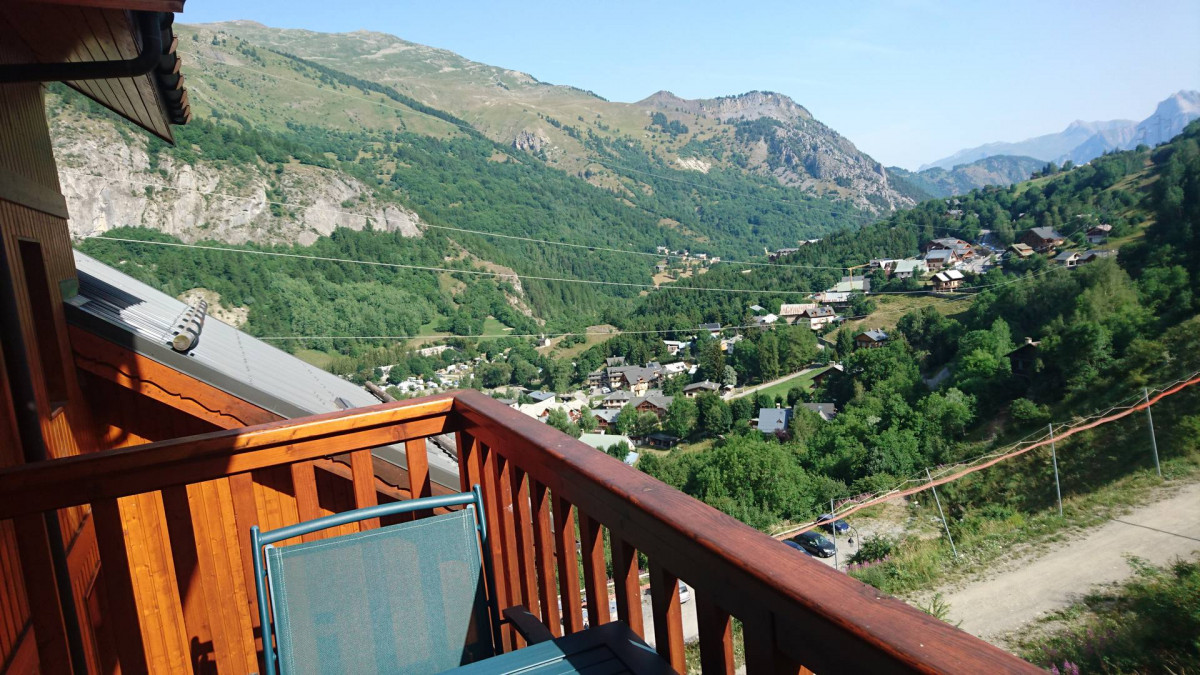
point(907, 81)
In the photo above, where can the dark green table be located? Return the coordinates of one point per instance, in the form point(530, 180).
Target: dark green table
point(603, 650)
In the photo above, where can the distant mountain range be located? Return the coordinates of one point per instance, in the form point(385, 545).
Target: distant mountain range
point(1002, 170)
point(1084, 141)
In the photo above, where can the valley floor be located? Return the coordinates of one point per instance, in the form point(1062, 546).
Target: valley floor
point(1061, 574)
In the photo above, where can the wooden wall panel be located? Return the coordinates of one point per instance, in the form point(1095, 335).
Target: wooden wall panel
point(32, 210)
point(14, 606)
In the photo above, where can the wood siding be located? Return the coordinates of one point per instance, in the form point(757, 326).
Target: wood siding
point(31, 215)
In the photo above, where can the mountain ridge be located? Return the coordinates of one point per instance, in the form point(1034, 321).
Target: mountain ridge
point(567, 126)
point(1082, 141)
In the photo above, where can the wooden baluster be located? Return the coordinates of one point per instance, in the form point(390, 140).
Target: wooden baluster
point(245, 514)
point(668, 617)
point(308, 506)
point(522, 519)
point(41, 589)
point(417, 456)
point(716, 636)
point(118, 581)
point(626, 585)
point(543, 546)
point(496, 540)
point(508, 539)
point(185, 540)
point(568, 568)
point(595, 581)
point(468, 460)
point(362, 475)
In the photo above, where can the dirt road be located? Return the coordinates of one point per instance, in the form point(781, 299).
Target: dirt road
point(1028, 589)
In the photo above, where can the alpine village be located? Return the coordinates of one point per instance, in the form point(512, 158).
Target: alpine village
point(334, 352)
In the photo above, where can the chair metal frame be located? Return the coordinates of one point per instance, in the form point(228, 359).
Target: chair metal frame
point(260, 541)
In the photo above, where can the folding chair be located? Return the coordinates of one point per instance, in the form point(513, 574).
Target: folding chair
point(412, 597)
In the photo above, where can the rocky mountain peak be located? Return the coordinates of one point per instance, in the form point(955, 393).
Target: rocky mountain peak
point(748, 106)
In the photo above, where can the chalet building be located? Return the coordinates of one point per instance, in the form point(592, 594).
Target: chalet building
point(940, 258)
point(654, 401)
point(1067, 259)
point(870, 339)
point(962, 250)
point(714, 329)
point(1020, 250)
point(696, 388)
point(765, 320)
point(1093, 256)
point(818, 317)
point(948, 281)
point(141, 440)
point(774, 421)
point(792, 313)
point(908, 269)
point(1023, 360)
point(1099, 234)
point(676, 346)
point(852, 284)
point(617, 400)
point(605, 418)
point(818, 378)
point(662, 441)
point(835, 298)
point(1043, 239)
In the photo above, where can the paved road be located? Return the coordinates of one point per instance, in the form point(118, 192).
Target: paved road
point(738, 393)
point(994, 607)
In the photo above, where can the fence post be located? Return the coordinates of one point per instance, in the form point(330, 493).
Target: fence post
point(1054, 458)
point(1153, 441)
point(941, 513)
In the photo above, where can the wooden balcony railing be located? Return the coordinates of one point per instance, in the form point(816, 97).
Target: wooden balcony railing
point(539, 485)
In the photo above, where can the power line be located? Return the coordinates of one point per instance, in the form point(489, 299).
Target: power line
point(588, 247)
point(991, 460)
point(660, 331)
point(426, 268)
point(505, 275)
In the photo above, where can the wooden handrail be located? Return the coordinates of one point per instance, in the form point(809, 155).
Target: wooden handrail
point(793, 607)
point(823, 619)
point(55, 484)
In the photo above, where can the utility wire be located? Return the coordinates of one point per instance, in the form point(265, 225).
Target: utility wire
point(1060, 434)
point(329, 208)
point(505, 275)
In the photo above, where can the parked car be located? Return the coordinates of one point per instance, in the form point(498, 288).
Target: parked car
point(798, 547)
point(815, 543)
point(838, 526)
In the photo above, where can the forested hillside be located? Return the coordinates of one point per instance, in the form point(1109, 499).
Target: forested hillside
point(1106, 330)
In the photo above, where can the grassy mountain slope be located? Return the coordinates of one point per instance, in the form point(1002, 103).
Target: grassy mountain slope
point(285, 151)
point(554, 121)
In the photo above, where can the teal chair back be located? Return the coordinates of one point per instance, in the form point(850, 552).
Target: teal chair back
point(406, 598)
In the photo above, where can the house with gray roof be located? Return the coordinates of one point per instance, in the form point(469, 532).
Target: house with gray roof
point(870, 339)
point(774, 420)
point(1043, 239)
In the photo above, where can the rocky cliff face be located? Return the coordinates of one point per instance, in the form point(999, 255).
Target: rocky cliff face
point(794, 147)
point(110, 180)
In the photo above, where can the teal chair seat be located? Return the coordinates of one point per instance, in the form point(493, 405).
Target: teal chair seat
point(406, 598)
